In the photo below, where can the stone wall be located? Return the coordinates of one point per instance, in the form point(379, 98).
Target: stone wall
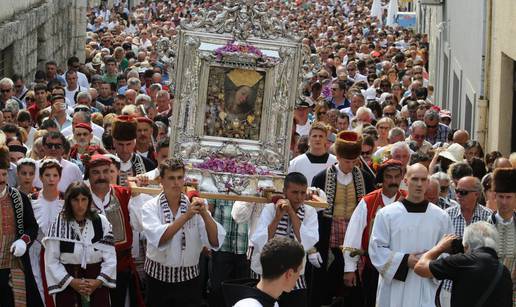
point(37, 31)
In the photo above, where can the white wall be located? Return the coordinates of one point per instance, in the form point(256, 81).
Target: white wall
point(503, 53)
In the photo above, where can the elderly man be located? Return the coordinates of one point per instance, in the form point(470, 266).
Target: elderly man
point(436, 132)
point(401, 231)
point(356, 241)
point(357, 101)
point(7, 92)
point(468, 190)
point(163, 103)
point(84, 117)
point(479, 278)
point(417, 137)
point(433, 194)
point(461, 137)
point(505, 219)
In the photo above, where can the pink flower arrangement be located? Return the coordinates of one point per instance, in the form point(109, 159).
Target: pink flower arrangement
point(227, 165)
point(231, 47)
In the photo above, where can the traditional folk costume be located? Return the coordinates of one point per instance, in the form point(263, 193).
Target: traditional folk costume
point(173, 268)
point(400, 229)
point(115, 207)
point(359, 230)
point(124, 129)
point(343, 191)
point(72, 252)
point(309, 235)
point(45, 212)
point(503, 182)
point(18, 230)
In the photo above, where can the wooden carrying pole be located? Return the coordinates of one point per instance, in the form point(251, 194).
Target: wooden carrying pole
point(316, 202)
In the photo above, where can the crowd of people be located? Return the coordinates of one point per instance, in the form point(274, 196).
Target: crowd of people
point(402, 186)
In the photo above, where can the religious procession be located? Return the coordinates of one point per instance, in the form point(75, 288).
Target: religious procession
point(243, 153)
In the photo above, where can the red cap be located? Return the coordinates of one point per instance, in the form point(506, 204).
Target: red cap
point(144, 120)
point(97, 160)
point(84, 126)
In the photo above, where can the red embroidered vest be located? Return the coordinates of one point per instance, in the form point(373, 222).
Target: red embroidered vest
point(374, 203)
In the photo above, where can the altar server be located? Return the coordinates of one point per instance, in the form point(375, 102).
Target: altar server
point(356, 241)
point(80, 257)
point(403, 231)
point(176, 231)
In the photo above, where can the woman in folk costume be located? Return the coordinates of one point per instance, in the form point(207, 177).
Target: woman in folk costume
point(47, 204)
point(80, 257)
point(345, 185)
point(18, 229)
point(504, 219)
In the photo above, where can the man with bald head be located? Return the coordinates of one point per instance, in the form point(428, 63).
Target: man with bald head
point(401, 232)
point(469, 211)
point(502, 162)
point(461, 137)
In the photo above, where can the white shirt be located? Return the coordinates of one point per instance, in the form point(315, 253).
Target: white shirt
point(303, 165)
point(69, 174)
point(98, 131)
point(83, 251)
point(250, 302)
point(70, 95)
point(356, 225)
point(45, 212)
point(342, 178)
point(82, 80)
point(303, 129)
point(169, 254)
point(397, 232)
point(101, 204)
point(309, 232)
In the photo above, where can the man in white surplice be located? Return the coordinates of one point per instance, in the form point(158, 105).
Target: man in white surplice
point(401, 233)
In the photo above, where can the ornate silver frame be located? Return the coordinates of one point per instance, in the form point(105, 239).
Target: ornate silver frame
point(242, 22)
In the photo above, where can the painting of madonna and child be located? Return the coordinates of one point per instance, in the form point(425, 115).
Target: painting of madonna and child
point(234, 103)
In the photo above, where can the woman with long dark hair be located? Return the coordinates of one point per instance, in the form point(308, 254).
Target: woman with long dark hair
point(80, 257)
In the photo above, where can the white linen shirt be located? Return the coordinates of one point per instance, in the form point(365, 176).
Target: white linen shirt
point(170, 254)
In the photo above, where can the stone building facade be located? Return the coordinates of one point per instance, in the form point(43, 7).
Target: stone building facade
point(35, 31)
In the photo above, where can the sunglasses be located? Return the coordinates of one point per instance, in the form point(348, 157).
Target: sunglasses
point(5, 91)
point(463, 192)
point(444, 188)
point(389, 114)
point(54, 145)
point(321, 113)
point(432, 126)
